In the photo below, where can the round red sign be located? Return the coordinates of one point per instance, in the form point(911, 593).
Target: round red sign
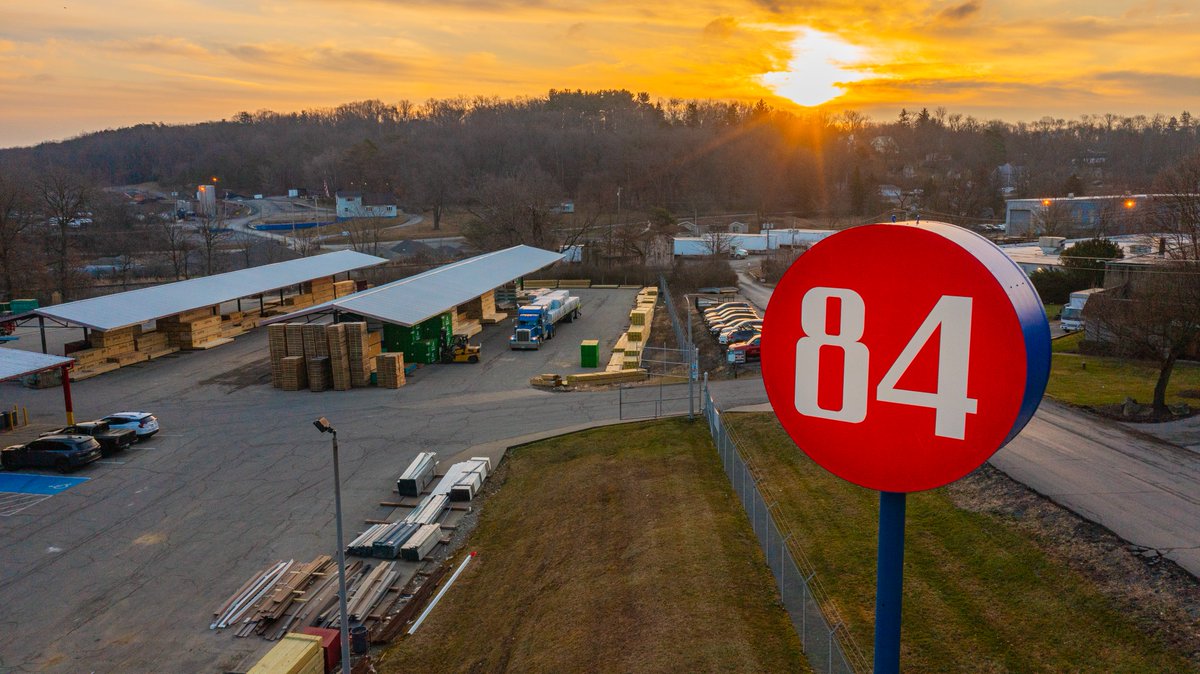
point(901, 356)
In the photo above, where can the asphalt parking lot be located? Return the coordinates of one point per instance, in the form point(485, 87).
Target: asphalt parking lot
point(121, 572)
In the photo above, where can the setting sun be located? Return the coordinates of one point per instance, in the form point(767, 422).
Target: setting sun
point(820, 64)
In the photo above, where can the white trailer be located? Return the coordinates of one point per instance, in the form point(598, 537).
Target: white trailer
point(1072, 313)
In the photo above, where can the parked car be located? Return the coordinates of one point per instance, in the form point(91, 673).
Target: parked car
point(63, 453)
point(749, 324)
point(143, 424)
point(725, 306)
point(746, 351)
point(731, 320)
point(739, 335)
point(728, 316)
point(112, 440)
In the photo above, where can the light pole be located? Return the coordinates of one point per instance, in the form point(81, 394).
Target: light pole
point(323, 425)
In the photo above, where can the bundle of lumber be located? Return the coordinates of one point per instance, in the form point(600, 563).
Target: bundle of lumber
point(389, 370)
point(277, 347)
point(483, 309)
point(319, 373)
point(196, 333)
point(357, 348)
point(574, 283)
point(321, 289)
point(343, 288)
point(339, 356)
point(293, 373)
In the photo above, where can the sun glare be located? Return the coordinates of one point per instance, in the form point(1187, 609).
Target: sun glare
point(820, 64)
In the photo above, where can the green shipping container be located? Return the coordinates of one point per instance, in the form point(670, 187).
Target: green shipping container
point(589, 353)
point(21, 306)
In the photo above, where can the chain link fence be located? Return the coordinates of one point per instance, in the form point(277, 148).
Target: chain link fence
point(664, 291)
point(829, 647)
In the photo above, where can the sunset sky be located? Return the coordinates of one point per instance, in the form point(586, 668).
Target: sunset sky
point(68, 67)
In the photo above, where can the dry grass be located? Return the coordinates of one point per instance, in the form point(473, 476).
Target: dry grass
point(981, 594)
point(619, 550)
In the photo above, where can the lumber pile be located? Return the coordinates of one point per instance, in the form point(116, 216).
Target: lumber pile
point(293, 373)
point(320, 289)
point(357, 347)
point(192, 333)
point(483, 309)
point(339, 356)
point(462, 323)
point(606, 377)
point(343, 288)
point(389, 370)
point(540, 283)
point(318, 357)
point(575, 283)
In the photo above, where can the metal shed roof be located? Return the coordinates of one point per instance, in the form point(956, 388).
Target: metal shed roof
point(147, 304)
point(417, 298)
point(17, 363)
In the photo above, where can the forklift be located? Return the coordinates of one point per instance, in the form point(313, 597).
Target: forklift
point(460, 351)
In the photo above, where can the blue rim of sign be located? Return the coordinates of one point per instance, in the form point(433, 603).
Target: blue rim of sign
point(1025, 302)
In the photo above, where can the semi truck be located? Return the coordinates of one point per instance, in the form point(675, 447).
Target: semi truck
point(536, 321)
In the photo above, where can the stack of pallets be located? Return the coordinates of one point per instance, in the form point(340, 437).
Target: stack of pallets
point(295, 338)
point(293, 373)
point(339, 356)
point(277, 345)
point(319, 373)
point(358, 345)
point(389, 370)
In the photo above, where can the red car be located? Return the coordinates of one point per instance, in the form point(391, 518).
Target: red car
point(745, 352)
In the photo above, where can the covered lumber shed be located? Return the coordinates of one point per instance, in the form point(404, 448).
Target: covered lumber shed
point(451, 299)
point(136, 307)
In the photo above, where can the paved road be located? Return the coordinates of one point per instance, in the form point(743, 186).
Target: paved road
point(121, 573)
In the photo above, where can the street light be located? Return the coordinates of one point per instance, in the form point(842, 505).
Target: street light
point(324, 426)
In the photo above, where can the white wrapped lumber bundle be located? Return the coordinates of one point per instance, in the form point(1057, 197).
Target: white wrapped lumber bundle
point(429, 509)
point(418, 475)
point(421, 543)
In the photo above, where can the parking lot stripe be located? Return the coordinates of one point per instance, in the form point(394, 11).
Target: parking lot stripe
point(11, 504)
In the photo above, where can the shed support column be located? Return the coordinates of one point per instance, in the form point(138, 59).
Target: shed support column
point(66, 384)
point(42, 329)
point(240, 307)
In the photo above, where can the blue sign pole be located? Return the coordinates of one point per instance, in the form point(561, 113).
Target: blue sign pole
point(889, 580)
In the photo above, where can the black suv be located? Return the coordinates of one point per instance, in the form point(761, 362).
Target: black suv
point(64, 453)
point(112, 440)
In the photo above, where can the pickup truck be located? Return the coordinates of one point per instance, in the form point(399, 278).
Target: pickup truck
point(112, 440)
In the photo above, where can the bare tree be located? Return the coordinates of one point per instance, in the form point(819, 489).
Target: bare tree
point(1155, 315)
point(63, 198)
point(15, 217)
point(1176, 207)
point(717, 243)
point(366, 234)
point(178, 246)
point(212, 233)
point(1056, 219)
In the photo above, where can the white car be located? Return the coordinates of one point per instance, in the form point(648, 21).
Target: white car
point(144, 424)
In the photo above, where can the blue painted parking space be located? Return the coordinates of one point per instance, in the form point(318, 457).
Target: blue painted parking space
point(24, 483)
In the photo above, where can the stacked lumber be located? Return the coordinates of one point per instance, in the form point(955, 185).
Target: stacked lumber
point(86, 359)
point(540, 283)
point(574, 283)
point(483, 309)
point(606, 377)
point(295, 338)
point(343, 288)
point(552, 380)
point(195, 314)
point(196, 333)
point(152, 342)
point(463, 324)
point(293, 373)
point(321, 289)
point(289, 596)
point(389, 370)
point(357, 348)
point(319, 373)
point(277, 346)
point(128, 358)
point(339, 356)
point(114, 342)
point(300, 301)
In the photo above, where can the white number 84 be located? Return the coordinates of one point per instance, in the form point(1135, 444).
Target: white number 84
point(950, 401)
